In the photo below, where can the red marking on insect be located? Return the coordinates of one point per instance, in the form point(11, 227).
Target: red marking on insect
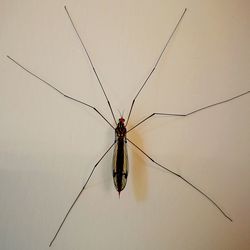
point(121, 120)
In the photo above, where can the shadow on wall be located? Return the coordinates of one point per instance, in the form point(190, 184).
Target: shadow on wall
point(138, 170)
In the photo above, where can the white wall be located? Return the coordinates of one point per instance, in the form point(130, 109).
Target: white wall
point(48, 144)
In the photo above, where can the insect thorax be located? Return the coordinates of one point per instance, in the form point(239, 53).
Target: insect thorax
point(120, 130)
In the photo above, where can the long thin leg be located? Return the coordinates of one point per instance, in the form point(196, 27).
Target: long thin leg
point(184, 179)
point(92, 65)
point(59, 91)
point(77, 197)
point(151, 72)
point(190, 113)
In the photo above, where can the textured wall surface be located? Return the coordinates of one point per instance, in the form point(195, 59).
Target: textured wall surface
point(49, 144)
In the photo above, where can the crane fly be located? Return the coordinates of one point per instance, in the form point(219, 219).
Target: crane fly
point(120, 156)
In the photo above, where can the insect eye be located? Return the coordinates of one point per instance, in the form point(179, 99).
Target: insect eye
point(122, 120)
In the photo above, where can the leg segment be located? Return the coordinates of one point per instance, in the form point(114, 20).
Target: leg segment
point(59, 91)
point(184, 179)
point(92, 65)
point(77, 197)
point(190, 113)
point(151, 72)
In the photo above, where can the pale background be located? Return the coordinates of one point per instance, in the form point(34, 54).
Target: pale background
point(48, 144)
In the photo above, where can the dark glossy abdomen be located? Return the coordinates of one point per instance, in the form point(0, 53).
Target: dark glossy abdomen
point(120, 164)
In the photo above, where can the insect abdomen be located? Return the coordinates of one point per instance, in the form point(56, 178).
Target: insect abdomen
point(120, 164)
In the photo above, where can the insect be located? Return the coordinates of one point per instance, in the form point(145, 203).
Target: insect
point(120, 156)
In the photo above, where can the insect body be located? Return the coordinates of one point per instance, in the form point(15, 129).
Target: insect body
point(120, 157)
